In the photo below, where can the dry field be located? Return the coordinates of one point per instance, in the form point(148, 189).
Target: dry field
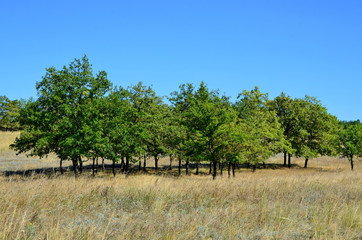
point(321, 202)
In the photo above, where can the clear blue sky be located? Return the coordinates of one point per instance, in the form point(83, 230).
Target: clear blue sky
point(299, 47)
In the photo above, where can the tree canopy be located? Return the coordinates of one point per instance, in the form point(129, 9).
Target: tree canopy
point(350, 140)
point(62, 118)
point(9, 113)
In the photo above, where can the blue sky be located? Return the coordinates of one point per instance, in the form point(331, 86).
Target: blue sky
point(299, 47)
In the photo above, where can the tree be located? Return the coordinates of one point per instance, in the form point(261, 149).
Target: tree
point(287, 113)
point(118, 127)
point(172, 132)
point(265, 134)
point(178, 128)
point(143, 117)
point(204, 113)
point(317, 130)
point(157, 130)
point(238, 143)
point(9, 113)
point(58, 121)
point(350, 140)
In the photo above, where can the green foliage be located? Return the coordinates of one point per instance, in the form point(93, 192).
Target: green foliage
point(62, 120)
point(317, 129)
point(264, 135)
point(307, 126)
point(9, 113)
point(148, 121)
point(286, 111)
point(204, 115)
point(350, 140)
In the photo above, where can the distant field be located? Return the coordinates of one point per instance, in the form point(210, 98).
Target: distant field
point(321, 202)
point(10, 161)
point(6, 138)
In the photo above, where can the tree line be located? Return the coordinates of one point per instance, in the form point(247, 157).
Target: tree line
point(81, 116)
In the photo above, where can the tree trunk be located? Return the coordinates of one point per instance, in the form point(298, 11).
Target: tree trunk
point(114, 168)
point(75, 166)
point(171, 158)
point(61, 166)
point(351, 160)
point(210, 168)
point(93, 166)
point(221, 167)
point(144, 163)
point(197, 168)
point(285, 159)
point(229, 166)
point(97, 165)
point(215, 170)
point(80, 165)
point(103, 164)
point(254, 167)
point(127, 165)
point(306, 163)
point(122, 166)
point(156, 162)
point(179, 165)
point(187, 167)
point(289, 160)
point(234, 169)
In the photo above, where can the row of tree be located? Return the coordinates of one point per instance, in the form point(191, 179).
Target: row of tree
point(79, 116)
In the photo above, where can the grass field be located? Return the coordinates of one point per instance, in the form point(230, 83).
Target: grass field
point(321, 202)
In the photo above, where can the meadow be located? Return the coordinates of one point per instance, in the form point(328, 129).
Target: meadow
point(320, 202)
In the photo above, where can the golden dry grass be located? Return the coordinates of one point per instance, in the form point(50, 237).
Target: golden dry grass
point(270, 204)
point(321, 202)
point(10, 161)
point(6, 138)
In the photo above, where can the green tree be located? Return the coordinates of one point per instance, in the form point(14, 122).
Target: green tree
point(157, 130)
point(172, 133)
point(9, 113)
point(129, 120)
point(287, 113)
point(204, 113)
point(350, 140)
point(265, 134)
point(317, 130)
point(118, 128)
point(58, 121)
point(237, 143)
point(180, 102)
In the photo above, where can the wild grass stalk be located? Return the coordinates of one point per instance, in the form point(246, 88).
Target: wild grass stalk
point(265, 205)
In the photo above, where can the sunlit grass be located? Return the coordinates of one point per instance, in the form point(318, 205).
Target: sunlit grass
point(321, 202)
point(6, 138)
point(265, 205)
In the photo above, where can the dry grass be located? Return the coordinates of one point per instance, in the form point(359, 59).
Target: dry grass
point(263, 205)
point(322, 202)
point(6, 138)
point(11, 162)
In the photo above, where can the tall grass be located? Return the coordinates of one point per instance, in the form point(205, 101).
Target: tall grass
point(263, 205)
point(321, 202)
